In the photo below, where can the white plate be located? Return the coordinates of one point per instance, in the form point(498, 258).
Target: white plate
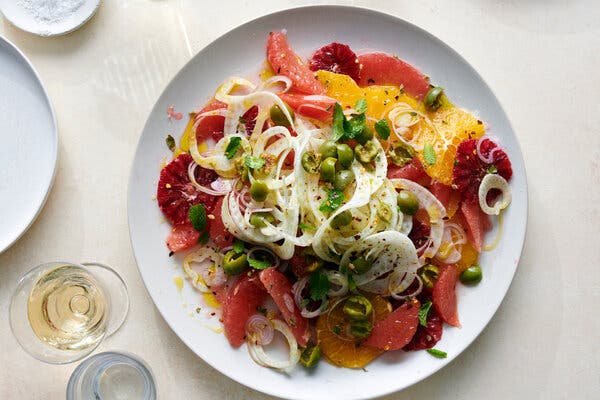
point(28, 144)
point(19, 14)
point(241, 52)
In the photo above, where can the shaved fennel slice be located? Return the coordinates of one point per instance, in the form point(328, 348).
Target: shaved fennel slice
point(489, 182)
point(215, 158)
point(434, 208)
point(209, 262)
point(257, 351)
point(387, 250)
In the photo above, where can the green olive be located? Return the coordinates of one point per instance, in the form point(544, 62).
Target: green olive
point(259, 190)
point(401, 154)
point(310, 162)
point(328, 149)
point(360, 265)
point(357, 308)
point(278, 117)
point(429, 274)
point(366, 153)
point(328, 169)
point(310, 356)
point(408, 202)
point(361, 329)
point(343, 178)
point(433, 98)
point(342, 219)
point(365, 135)
point(258, 219)
point(471, 275)
point(234, 263)
point(345, 155)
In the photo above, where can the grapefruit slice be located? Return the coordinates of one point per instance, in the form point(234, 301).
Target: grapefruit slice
point(280, 289)
point(176, 193)
point(284, 61)
point(427, 336)
point(477, 223)
point(444, 295)
point(320, 108)
point(397, 329)
point(385, 69)
point(412, 171)
point(182, 237)
point(216, 229)
point(242, 300)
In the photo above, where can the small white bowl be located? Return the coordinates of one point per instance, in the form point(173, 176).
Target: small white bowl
point(17, 13)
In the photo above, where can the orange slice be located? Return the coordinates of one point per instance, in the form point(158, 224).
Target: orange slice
point(342, 350)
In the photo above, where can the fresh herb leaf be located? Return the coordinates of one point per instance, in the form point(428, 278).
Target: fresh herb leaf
point(259, 264)
point(238, 246)
point(424, 313)
point(204, 237)
point(197, 216)
point(304, 303)
point(351, 283)
point(354, 126)
point(170, 140)
point(429, 154)
point(335, 197)
point(361, 106)
point(437, 353)
point(383, 129)
point(232, 147)
point(338, 123)
point(306, 227)
point(254, 162)
point(319, 286)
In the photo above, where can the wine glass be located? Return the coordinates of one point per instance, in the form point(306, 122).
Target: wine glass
point(61, 311)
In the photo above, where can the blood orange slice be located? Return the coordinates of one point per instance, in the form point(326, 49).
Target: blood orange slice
point(338, 58)
point(176, 193)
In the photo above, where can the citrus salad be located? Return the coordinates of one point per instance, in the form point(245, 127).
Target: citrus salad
point(338, 201)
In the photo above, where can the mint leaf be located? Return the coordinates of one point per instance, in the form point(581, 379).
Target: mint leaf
point(254, 162)
point(424, 313)
point(383, 129)
point(319, 286)
point(259, 264)
point(204, 237)
point(429, 154)
point(354, 126)
point(437, 353)
point(361, 106)
point(306, 227)
point(338, 123)
point(335, 197)
point(351, 283)
point(238, 246)
point(232, 147)
point(170, 140)
point(197, 216)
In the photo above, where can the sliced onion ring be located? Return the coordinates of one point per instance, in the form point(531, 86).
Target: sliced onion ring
point(259, 329)
point(257, 352)
point(338, 279)
point(489, 182)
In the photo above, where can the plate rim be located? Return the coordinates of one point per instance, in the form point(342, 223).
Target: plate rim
point(381, 14)
point(50, 183)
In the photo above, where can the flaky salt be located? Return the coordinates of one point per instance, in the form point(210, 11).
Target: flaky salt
point(50, 11)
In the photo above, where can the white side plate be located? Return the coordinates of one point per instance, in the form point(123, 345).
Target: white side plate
point(242, 52)
point(28, 144)
point(24, 19)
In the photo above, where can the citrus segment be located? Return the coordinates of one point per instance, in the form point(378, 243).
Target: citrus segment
point(339, 348)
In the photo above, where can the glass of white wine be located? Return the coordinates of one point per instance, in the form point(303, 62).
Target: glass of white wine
point(61, 311)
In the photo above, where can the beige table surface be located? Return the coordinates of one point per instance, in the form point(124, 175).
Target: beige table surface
point(541, 58)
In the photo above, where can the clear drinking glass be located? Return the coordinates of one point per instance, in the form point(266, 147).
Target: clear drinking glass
point(112, 376)
point(61, 311)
